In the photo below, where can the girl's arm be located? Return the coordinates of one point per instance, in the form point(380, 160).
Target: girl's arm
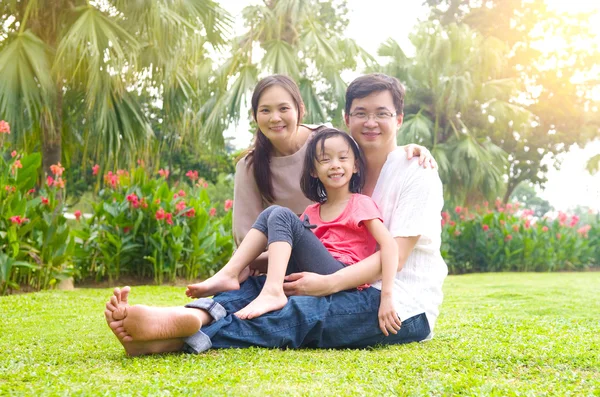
point(388, 318)
point(364, 272)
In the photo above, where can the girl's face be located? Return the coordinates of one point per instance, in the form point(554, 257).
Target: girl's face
point(277, 114)
point(335, 164)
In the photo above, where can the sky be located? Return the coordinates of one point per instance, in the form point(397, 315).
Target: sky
point(374, 21)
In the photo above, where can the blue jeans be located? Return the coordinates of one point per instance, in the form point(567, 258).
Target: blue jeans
point(347, 319)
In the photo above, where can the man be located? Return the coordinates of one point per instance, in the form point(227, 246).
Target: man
point(333, 314)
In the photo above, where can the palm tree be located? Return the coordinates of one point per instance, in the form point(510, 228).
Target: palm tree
point(300, 38)
point(83, 75)
point(459, 104)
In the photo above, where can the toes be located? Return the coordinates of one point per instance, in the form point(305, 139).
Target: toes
point(117, 294)
point(127, 339)
point(125, 294)
point(116, 324)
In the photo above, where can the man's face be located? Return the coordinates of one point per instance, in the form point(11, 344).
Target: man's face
point(374, 134)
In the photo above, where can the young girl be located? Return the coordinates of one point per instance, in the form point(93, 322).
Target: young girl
point(346, 227)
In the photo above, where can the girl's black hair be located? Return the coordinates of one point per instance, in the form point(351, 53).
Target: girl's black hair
point(311, 186)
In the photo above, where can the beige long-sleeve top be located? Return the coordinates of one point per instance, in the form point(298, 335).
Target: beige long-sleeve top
point(285, 176)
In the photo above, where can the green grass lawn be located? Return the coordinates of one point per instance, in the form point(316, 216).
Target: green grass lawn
point(498, 334)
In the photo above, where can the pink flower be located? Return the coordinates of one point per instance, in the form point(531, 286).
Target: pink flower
point(544, 229)
point(60, 183)
point(57, 169)
point(445, 215)
point(169, 218)
point(485, 228)
point(443, 222)
point(50, 180)
point(584, 230)
point(95, 169)
point(191, 213)
point(452, 223)
point(458, 209)
point(527, 224)
point(457, 233)
point(502, 222)
point(10, 188)
point(515, 228)
point(508, 237)
point(122, 172)
point(558, 236)
point(140, 162)
point(228, 204)
point(574, 220)
point(180, 206)
point(13, 154)
point(202, 183)
point(4, 127)
point(77, 214)
point(213, 211)
point(193, 175)
point(509, 206)
point(181, 193)
point(164, 173)
point(111, 179)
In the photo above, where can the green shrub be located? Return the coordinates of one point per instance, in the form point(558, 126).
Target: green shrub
point(509, 238)
point(142, 227)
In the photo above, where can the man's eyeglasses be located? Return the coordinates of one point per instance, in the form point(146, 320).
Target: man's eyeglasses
point(378, 116)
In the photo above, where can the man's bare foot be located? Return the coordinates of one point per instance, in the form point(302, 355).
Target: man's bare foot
point(266, 301)
point(144, 323)
point(220, 282)
point(149, 347)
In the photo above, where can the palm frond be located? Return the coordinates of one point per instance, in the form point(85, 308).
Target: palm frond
point(26, 86)
point(280, 59)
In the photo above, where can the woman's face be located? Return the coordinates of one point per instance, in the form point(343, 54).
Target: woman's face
point(277, 114)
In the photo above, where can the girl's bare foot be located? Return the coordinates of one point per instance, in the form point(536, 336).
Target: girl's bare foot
point(266, 301)
point(220, 282)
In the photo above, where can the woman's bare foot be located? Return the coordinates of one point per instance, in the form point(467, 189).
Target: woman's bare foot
point(220, 282)
point(266, 301)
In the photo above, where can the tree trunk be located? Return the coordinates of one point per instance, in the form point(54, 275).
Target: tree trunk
point(51, 130)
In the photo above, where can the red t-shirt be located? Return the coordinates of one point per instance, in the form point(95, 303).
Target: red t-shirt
point(346, 237)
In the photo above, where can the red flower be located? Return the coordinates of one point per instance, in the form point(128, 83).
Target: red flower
point(169, 218)
point(31, 191)
point(228, 204)
point(485, 228)
point(45, 201)
point(10, 188)
point(17, 220)
point(508, 237)
point(527, 224)
point(191, 213)
point(213, 211)
point(4, 127)
point(458, 209)
point(57, 169)
point(160, 214)
point(95, 169)
point(126, 229)
point(77, 214)
point(443, 222)
point(13, 154)
point(545, 229)
point(193, 175)
point(164, 173)
point(50, 180)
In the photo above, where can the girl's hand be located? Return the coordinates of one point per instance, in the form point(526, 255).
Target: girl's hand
point(388, 318)
point(425, 157)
